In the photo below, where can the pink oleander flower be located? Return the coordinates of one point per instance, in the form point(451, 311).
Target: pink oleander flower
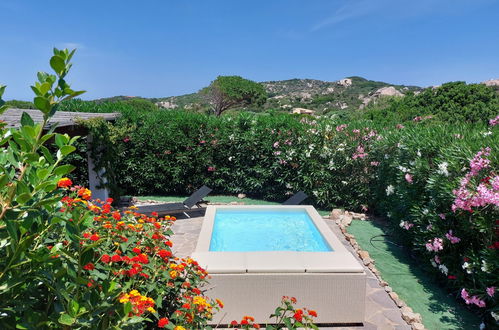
point(277, 153)
point(276, 144)
point(442, 216)
point(406, 225)
point(211, 169)
point(466, 296)
point(491, 290)
point(408, 178)
point(436, 245)
point(494, 121)
point(451, 238)
point(374, 163)
point(341, 127)
point(437, 259)
point(400, 126)
point(418, 118)
point(356, 131)
point(359, 153)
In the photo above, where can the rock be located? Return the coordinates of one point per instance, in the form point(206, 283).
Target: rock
point(359, 216)
point(375, 271)
point(336, 214)
point(241, 196)
point(389, 289)
point(491, 82)
point(346, 219)
point(417, 326)
point(348, 236)
point(364, 254)
point(392, 294)
point(345, 82)
point(367, 261)
point(409, 316)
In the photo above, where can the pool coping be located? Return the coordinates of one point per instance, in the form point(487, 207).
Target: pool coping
point(340, 260)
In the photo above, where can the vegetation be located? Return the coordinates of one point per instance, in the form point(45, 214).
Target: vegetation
point(410, 172)
point(67, 261)
point(228, 92)
point(453, 102)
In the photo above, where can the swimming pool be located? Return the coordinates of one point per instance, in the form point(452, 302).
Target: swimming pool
point(256, 254)
point(245, 230)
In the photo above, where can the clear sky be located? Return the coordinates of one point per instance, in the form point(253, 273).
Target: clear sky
point(165, 47)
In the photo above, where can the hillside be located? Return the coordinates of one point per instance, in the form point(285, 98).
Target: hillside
point(346, 94)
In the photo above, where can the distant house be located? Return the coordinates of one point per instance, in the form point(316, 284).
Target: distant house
point(303, 111)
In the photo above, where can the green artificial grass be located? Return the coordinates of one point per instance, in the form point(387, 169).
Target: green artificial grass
point(413, 285)
point(218, 199)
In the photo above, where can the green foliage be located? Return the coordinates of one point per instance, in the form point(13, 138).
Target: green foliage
point(228, 92)
point(18, 104)
point(135, 104)
point(453, 102)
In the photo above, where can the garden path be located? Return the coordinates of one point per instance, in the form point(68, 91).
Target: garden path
point(381, 311)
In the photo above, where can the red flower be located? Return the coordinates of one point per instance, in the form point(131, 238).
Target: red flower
point(234, 323)
point(451, 277)
point(106, 258)
point(164, 253)
point(196, 291)
point(298, 315)
point(256, 326)
point(94, 237)
point(186, 306)
point(154, 214)
point(136, 250)
point(64, 183)
point(313, 313)
point(116, 258)
point(117, 216)
point(109, 200)
point(89, 266)
point(162, 322)
point(244, 322)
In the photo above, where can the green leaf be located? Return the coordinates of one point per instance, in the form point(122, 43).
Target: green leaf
point(57, 63)
point(66, 150)
point(26, 120)
point(74, 307)
point(44, 88)
point(64, 169)
point(23, 198)
point(42, 104)
point(66, 319)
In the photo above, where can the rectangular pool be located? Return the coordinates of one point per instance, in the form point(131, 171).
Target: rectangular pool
point(255, 254)
point(246, 230)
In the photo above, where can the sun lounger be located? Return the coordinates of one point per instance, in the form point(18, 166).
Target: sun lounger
point(191, 203)
point(296, 199)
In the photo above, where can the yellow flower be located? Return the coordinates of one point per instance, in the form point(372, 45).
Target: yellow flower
point(150, 309)
point(173, 274)
point(179, 327)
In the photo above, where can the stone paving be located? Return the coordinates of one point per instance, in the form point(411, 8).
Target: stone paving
point(381, 311)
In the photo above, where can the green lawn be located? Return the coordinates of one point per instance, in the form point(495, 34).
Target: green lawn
point(410, 282)
point(218, 199)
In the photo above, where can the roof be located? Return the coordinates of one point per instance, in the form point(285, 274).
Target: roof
point(63, 118)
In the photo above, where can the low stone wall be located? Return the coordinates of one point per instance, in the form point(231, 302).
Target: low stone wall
point(343, 219)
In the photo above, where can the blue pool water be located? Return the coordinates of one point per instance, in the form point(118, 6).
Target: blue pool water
point(266, 230)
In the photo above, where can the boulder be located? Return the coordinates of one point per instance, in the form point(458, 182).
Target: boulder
point(241, 196)
point(336, 214)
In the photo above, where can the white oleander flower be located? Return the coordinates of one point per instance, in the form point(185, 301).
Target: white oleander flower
point(443, 269)
point(433, 263)
point(485, 267)
point(390, 190)
point(442, 169)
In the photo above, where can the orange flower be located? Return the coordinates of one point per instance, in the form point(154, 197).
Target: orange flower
point(85, 193)
point(220, 303)
point(64, 183)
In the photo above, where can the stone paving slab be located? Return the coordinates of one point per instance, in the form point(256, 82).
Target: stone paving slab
point(381, 311)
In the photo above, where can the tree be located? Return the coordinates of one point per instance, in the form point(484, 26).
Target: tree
point(228, 92)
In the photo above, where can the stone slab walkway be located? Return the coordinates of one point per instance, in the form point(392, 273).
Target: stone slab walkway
point(381, 311)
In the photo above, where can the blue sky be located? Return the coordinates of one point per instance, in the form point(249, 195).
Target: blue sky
point(162, 48)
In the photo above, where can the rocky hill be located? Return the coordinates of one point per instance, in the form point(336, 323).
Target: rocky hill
point(346, 94)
